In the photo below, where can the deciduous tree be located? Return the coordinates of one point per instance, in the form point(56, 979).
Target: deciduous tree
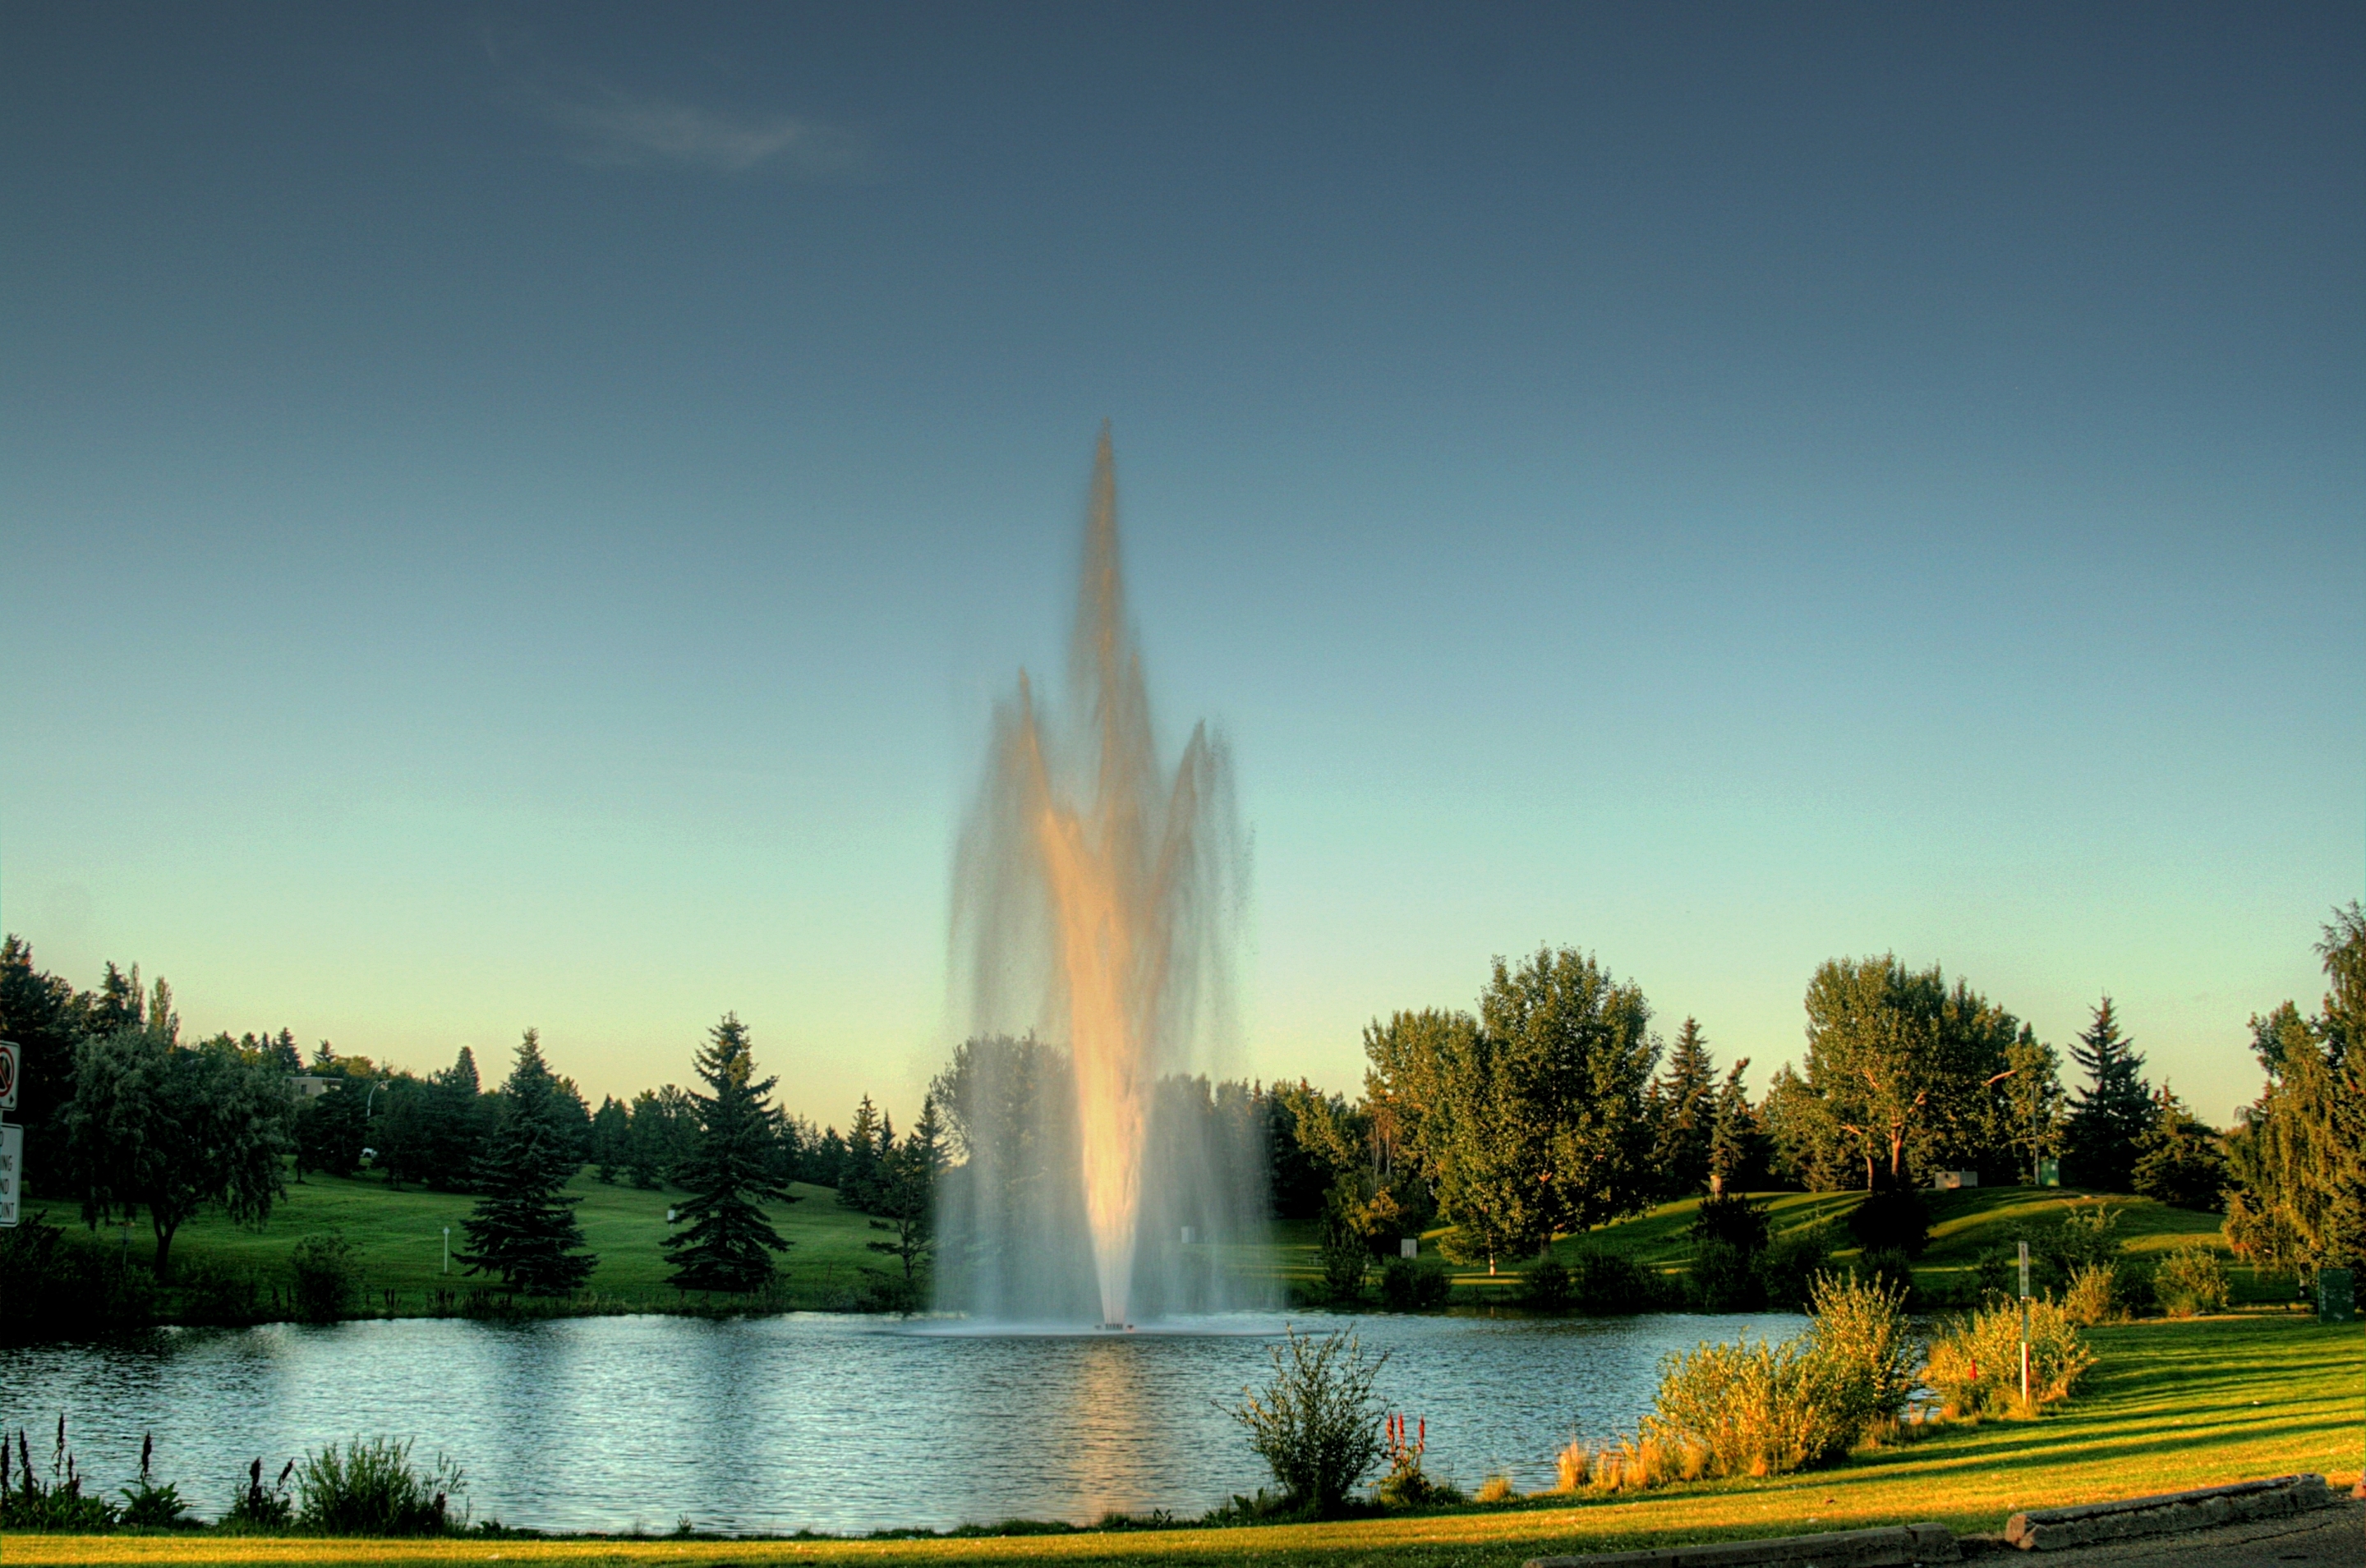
point(158, 1126)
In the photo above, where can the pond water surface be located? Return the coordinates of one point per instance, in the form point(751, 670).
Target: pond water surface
point(811, 1421)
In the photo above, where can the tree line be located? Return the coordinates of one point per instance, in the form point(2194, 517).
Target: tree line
point(126, 1119)
point(1553, 1107)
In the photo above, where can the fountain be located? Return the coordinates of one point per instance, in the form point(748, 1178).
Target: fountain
point(1093, 906)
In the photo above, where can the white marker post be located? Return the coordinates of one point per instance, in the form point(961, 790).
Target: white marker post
point(448, 1249)
point(2024, 1326)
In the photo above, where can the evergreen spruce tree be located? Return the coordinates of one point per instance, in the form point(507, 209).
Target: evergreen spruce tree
point(2111, 1112)
point(908, 1198)
point(523, 1228)
point(858, 1172)
point(1685, 1096)
point(2178, 1159)
point(456, 1124)
point(612, 1137)
point(729, 1173)
point(1735, 1151)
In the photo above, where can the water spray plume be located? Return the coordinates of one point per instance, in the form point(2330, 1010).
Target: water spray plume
point(1094, 888)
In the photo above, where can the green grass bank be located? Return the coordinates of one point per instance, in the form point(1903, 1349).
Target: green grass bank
point(2172, 1403)
point(399, 1239)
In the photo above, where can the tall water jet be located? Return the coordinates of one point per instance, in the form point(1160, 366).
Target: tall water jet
point(1092, 906)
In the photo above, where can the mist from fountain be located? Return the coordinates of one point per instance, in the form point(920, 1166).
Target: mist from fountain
point(1094, 905)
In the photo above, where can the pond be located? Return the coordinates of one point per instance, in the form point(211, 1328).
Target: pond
point(820, 1422)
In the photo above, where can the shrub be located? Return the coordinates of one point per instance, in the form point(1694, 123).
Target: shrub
point(1723, 1277)
point(1728, 1232)
point(1762, 1409)
point(1407, 1485)
point(51, 1287)
point(2191, 1280)
point(1317, 1425)
point(2086, 1234)
point(1788, 1268)
point(371, 1488)
point(1975, 1363)
point(2092, 1296)
point(1407, 1286)
point(260, 1507)
point(29, 1505)
point(1733, 1219)
point(1892, 1218)
point(1886, 1263)
point(1346, 1258)
point(1744, 1408)
point(1498, 1489)
point(1607, 1283)
point(325, 1277)
point(1547, 1288)
point(148, 1506)
point(1865, 1357)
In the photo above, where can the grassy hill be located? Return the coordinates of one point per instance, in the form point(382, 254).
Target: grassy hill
point(399, 1239)
point(1965, 1224)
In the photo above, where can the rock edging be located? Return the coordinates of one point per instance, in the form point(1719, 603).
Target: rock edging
point(1897, 1546)
point(2050, 1529)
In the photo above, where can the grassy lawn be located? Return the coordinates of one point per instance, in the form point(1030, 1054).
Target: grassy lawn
point(399, 1238)
point(2172, 1405)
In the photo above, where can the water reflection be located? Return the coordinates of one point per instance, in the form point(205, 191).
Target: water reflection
point(810, 1421)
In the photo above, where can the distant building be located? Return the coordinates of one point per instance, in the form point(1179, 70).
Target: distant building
point(1954, 1181)
point(310, 1085)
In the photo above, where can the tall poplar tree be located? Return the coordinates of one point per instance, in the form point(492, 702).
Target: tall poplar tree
point(523, 1228)
point(2111, 1112)
point(2029, 1104)
point(729, 1173)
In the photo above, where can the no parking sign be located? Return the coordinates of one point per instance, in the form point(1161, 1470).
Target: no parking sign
point(9, 1053)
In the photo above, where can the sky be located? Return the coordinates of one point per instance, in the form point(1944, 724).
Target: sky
point(517, 515)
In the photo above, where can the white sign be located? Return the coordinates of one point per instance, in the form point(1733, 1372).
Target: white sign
point(12, 1063)
point(12, 1160)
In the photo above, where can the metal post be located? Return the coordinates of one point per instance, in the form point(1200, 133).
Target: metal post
point(2024, 1326)
point(448, 1249)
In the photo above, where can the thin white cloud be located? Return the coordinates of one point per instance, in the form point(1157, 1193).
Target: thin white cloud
point(614, 128)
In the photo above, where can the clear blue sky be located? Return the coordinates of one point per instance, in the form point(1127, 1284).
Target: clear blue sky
point(516, 515)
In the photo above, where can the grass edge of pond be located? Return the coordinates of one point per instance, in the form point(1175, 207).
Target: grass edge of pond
point(2158, 1415)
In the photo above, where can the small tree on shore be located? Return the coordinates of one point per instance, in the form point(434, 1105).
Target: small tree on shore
point(524, 1227)
point(730, 1173)
point(906, 1197)
point(1317, 1425)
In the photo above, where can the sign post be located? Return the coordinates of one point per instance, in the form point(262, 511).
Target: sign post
point(12, 1161)
point(12, 1139)
point(2024, 1326)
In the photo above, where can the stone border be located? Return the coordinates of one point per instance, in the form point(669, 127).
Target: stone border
point(2050, 1529)
point(1898, 1546)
